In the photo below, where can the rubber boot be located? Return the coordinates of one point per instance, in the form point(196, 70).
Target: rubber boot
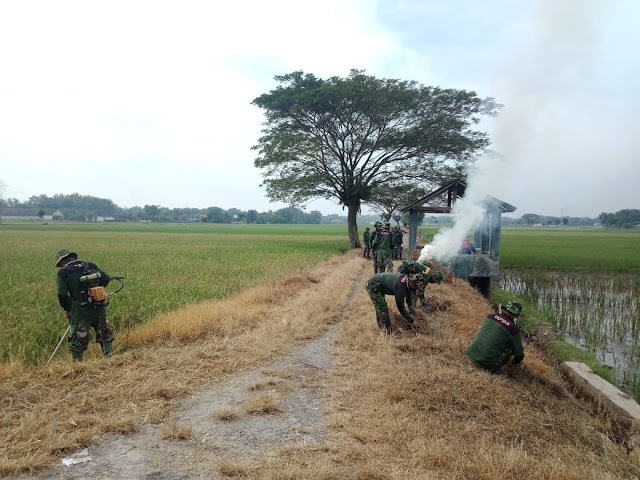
point(106, 348)
point(76, 356)
point(385, 322)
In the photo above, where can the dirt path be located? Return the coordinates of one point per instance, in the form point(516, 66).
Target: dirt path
point(245, 417)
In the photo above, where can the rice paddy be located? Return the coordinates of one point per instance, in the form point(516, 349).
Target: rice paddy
point(166, 267)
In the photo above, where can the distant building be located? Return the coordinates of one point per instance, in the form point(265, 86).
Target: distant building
point(30, 214)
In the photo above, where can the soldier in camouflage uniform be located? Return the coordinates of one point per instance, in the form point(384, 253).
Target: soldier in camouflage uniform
point(81, 313)
point(398, 243)
point(366, 238)
point(398, 285)
point(382, 249)
point(372, 238)
point(498, 339)
point(411, 268)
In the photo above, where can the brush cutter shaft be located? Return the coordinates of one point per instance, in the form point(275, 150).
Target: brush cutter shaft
point(59, 343)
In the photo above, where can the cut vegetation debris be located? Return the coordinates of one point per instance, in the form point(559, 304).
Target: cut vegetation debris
point(405, 406)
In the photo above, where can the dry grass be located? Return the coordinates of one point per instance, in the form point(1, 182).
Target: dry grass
point(177, 432)
point(263, 403)
point(405, 406)
point(226, 414)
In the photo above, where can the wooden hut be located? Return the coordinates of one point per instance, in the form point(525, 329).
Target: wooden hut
point(478, 269)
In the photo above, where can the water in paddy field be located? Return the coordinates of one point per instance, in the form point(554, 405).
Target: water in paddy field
point(596, 311)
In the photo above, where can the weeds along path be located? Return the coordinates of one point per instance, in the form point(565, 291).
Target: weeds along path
point(222, 426)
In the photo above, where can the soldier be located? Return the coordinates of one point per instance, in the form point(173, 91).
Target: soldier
point(366, 237)
point(378, 228)
point(398, 285)
point(381, 247)
point(498, 339)
point(411, 268)
point(399, 243)
point(81, 294)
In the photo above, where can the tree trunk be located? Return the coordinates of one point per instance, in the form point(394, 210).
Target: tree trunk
point(352, 222)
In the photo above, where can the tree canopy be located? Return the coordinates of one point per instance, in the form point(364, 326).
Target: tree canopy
point(345, 138)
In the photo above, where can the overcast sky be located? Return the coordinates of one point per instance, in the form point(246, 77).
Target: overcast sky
point(149, 102)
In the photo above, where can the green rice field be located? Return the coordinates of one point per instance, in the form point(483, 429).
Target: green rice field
point(587, 281)
point(166, 267)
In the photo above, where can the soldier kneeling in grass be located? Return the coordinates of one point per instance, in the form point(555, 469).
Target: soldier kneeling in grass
point(498, 339)
point(399, 285)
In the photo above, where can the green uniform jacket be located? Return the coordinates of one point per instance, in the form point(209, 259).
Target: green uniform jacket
point(496, 340)
point(382, 242)
point(395, 284)
point(372, 237)
point(68, 287)
point(365, 238)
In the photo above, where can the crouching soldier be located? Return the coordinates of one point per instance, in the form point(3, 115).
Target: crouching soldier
point(498, 339)
point(411, 268)
point(81, 294)
point(398, 285)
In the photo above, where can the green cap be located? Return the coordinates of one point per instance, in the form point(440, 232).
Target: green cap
point(513, 307)
point(62, 254)
point(420, 278)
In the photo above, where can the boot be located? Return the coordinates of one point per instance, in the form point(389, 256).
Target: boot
point(385, 322)
point(106, 348)
point(76, 356)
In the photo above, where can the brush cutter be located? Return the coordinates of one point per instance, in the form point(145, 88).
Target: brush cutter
point(108, 294)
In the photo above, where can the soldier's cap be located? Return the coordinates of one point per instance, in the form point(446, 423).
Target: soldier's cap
point(62, 254)
point(367, 228)
point(420, 278)
point(377, 224)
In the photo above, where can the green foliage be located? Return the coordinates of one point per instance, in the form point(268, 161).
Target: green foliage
point(341, 138)
point(167, 266)
point(629, 218)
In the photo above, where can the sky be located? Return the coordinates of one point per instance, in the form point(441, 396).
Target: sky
point(149, 102)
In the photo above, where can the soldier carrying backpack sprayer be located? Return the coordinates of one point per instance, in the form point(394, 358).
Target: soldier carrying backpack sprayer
point(82, 295)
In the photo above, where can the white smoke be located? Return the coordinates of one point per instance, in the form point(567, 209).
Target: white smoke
point(535, 79)
point(469, 212)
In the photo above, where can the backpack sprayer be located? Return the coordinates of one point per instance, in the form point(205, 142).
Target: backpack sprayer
point(91, 294)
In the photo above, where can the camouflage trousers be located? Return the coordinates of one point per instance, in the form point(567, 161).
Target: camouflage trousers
point(383, 262)
point(380, 304)
point(79, 333)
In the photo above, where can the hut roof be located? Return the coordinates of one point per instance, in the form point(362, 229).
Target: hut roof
point(454, 190)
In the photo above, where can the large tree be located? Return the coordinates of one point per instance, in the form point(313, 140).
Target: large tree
point(341, 138)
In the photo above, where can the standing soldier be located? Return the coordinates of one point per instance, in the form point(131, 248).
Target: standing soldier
point(382, 249)
point(411, 268)
point(378, 228)
point(399, 240)
point(366, 236)
point(398, 285)
point(81, 294)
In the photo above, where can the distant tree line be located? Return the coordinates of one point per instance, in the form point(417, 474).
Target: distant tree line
point(629, 218)
point(76, 207)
